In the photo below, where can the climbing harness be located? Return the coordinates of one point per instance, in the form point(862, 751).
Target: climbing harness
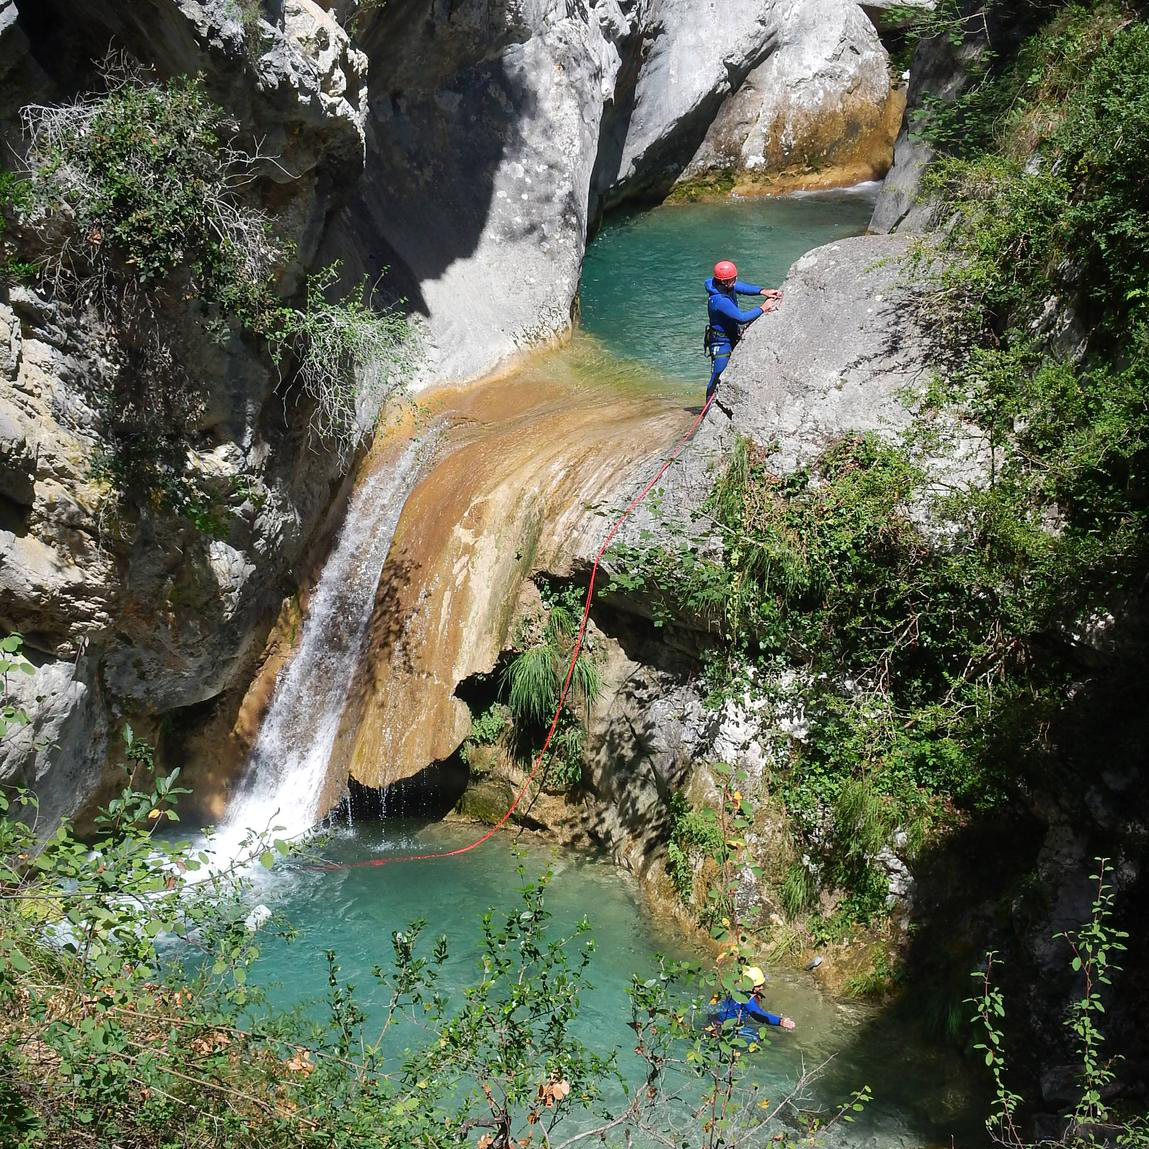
point(716, 342)
point(634, 503)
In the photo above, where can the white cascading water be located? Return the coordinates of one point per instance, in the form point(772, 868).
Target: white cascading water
point(287, 767)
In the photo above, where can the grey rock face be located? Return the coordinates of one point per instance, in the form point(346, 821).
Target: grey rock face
point(694, 54)
point(67, 735)
point(834, 357)
point(820, 100)
point(757, 88)
point(483, 129)
point(148, 617)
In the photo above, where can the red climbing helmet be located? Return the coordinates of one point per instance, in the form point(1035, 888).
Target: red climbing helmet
point(724, 271)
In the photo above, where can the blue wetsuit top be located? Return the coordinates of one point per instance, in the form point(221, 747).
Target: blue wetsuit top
point(742, 1011)
point(723, 312)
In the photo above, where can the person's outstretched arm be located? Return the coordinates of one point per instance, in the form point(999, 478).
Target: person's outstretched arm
point(726, 306)
point(760, 1014)
point(747, 289)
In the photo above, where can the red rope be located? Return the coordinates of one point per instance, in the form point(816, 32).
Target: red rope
point(678, 449)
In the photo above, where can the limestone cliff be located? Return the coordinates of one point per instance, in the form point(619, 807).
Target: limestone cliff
point(467, 147)
point(144, 617)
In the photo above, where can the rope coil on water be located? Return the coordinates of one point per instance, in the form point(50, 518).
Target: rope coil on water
point(575, 651)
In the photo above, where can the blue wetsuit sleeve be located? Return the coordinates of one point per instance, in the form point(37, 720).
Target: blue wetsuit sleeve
point(760, 1014)
point(747, 289)
point(726, 306)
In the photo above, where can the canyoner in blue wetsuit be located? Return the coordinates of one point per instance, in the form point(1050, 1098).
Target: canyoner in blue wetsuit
point(751, 1010)
point(725, 320)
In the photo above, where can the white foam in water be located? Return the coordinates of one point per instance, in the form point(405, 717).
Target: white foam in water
point(288, 764)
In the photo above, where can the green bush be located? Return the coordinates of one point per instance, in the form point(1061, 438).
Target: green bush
point(487, 729)
point(140, 190)
point(343, 351)
point(532, 684)
point(138, 203)
point(694, 836)
point(1098, 1117)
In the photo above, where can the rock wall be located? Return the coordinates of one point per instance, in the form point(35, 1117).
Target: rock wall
point(148, 617)
point(769, 94)
point(466, 146)
point(822, 109)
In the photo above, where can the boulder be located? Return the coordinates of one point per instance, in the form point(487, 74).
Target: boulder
point(54, 754)
point(820, 109)
point(693, 55)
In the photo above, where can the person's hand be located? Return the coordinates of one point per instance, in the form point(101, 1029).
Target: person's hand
point(769, 306)
point(787, 1023)
point(771, 293)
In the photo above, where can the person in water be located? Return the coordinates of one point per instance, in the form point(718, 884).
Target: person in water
point(753, 1009)
point(725, 320)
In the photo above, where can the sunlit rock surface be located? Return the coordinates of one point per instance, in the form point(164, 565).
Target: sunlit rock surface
point(144, 618)
point(517, 491)
point(766, 93)
point(820, 110)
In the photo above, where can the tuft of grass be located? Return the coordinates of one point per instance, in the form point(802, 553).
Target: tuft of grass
point(861, 819)
point(798, 890)
point(532, 685)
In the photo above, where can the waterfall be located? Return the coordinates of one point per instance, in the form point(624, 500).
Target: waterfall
point(287, 767)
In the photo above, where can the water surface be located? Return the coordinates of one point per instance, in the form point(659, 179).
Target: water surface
point(642, 295)
point(919, 1094)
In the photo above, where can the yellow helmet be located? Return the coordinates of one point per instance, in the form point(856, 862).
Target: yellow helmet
point(752, 976)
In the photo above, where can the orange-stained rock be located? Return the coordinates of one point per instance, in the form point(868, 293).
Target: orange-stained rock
point(822, 110)
point(514, 492)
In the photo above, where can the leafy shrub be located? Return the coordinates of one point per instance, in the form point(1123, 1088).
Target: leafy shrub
point(345, 353)
point(694, 835)
point(533, 681)
point(487, 728)
point(141, 189)
point(137, 202)
point(1094, 1120)
point(12, 715)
